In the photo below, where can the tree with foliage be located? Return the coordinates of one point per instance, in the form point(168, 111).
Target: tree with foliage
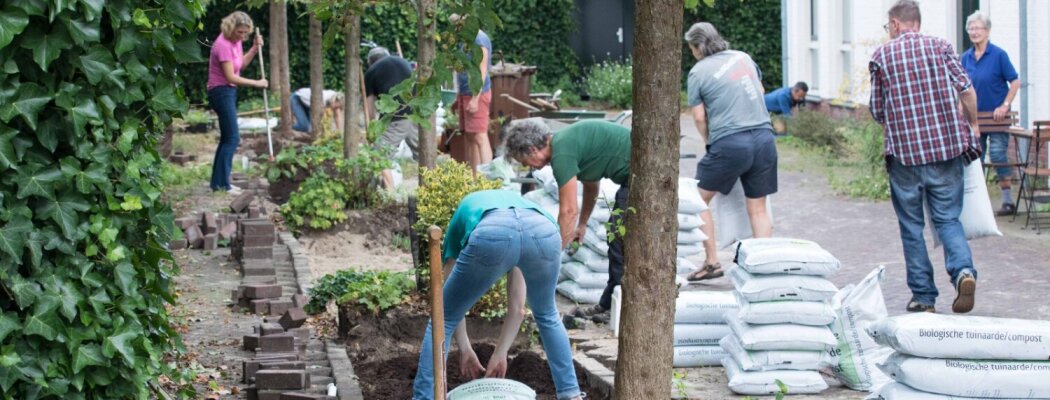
point(643, 367)
point(86, 89)
point(279, 63)
point(316, 76)
point(353, 136)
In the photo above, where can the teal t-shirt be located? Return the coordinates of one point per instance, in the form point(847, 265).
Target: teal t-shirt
point(470, 211)
point(591, 150)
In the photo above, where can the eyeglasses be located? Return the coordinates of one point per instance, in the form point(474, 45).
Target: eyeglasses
point(886, 27)
point(976, 29)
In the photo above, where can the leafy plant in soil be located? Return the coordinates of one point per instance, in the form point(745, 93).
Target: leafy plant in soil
point(86, 91)
point(370, 290)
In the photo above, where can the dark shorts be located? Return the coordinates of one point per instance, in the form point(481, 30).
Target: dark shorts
point(749, 155)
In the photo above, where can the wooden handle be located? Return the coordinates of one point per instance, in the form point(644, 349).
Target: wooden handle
point(437, 306)
point(262, 66)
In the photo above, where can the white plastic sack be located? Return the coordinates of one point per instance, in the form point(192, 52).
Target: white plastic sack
point(689, 200)
point(498, 169)
point(690, 249)
point(785, 256)
point(601, 214)
point(781, 336)
point(756, 288)
point(583, 276)
point(606, 193)
point(595, 242)
point(492, 389)
point(983, 379)
point(699, 334)
point(594, 261)
point(684, 266)
point(765, 382)
point(976, 217)
point(774, 360)
point(537, 196)
point(703, 307)
point(574, 292)
point(900, 391)
point(546, 177)
point(816, 313)
point(857, 307)
point(252, 124)
point(955, 336)
point(698, 356)
point(729, 213)
point(688, 222)
point(692, 236)
point(597, 226)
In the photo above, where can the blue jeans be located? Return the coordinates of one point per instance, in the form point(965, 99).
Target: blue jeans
point(223, 100)
point(995, 144)
point(941, 185)
point(503, 239)
point(302, 115)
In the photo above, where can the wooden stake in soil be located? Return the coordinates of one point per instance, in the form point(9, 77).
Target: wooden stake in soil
point(437, 307)
point(266, 100)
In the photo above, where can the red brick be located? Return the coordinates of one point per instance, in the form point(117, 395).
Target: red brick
point(250, 342)
point(293, 318)
point(258, 240)
point(178, 244)
point(303, 334)
point(259, 271)
point(254, 212)
point(282, 365)
point(289, 356)
point(228, 232)
point(269, 329)
point(211, 241)
point(250, 367)
point(282, 379)
point(265, 280)
point(299, 300)
point(241, 202)
point(209, 224)
point(185, 222)
point(300, 396)
point(279, 307)
point(280, 343)
point(256, 227)
point(254, 393)
point(257, 253)
point(261, 291)
point(259, 306)
point(194, 237)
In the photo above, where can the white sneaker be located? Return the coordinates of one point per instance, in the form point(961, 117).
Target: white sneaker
point(234, 190)
point(235, 187)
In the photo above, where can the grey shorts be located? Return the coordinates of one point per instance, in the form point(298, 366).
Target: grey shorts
point(398, 130)
point(750, 156)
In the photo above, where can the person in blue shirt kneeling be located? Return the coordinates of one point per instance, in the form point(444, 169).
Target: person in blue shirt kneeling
point(782, 100)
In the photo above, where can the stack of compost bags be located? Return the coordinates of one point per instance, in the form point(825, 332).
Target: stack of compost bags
point(699, 325)
point(959, 357)
point(780, 333)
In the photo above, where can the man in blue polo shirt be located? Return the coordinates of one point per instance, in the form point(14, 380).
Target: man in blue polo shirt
point(781, 101)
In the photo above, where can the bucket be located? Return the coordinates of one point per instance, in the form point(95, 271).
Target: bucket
point(492, 389)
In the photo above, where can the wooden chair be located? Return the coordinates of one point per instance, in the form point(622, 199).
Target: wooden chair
point(1034, 175)
point(1010, 124)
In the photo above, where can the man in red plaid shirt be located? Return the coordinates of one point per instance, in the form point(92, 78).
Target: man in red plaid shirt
point(917, 84)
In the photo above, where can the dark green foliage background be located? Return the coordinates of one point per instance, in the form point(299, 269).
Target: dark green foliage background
point(534, 32)
point(86, 89)
point(751, 26)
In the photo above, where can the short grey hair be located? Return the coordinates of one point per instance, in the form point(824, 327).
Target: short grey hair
point(906, 11)
point(979, 16)
point(705, 38)
point(377, 53)
point(526, 136)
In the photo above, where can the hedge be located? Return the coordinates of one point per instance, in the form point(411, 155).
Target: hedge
point(752, 27)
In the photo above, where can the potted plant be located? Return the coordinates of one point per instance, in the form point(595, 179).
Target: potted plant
point(197, 121)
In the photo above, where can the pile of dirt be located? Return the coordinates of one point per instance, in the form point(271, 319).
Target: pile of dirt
point(366, 240)
point(385, 353)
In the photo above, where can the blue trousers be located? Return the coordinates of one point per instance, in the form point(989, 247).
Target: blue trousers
point(301, 113)
point(223, 100)
point(503, 239)
point(941, 185)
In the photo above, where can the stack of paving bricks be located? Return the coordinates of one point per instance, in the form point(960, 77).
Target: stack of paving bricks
point(207, 229)
point(288, 363)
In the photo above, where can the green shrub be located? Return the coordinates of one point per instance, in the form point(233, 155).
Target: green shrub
point(752, 27)
point(334, 183)
point(610, 82)
point(867, 147)
point(371, 290)
point(818, 129)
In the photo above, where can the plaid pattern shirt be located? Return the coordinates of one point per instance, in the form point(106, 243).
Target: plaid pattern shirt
point(914, 84)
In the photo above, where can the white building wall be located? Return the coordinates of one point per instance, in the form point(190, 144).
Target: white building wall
point(850, 30)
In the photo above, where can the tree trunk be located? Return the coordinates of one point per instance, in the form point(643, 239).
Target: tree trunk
point(426, 22)
point(643, 367)
point(353, 135)
point(286, 83)
point(316, 78)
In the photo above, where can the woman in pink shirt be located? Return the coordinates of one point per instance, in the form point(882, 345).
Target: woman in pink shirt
point(224, 76)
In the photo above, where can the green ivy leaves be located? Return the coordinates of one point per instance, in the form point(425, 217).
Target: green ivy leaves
point(12, 22)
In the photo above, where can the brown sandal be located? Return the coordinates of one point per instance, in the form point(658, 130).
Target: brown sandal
point(708, 271)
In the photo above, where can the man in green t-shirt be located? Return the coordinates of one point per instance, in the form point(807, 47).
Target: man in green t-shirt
point(586, 152)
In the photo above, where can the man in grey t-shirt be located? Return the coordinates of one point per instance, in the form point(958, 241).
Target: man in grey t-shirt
point(725, 94)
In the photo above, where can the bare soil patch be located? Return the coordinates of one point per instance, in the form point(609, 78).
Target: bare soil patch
point(365, 241)
point(385, 351)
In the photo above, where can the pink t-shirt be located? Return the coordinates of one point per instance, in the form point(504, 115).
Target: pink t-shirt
point(224, 51)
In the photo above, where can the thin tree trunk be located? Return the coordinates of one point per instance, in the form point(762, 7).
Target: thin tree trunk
point(353, 135)
point(316, 78)
point(426, 23)
point(643, 367)
point(275, 52)
point(286, 83)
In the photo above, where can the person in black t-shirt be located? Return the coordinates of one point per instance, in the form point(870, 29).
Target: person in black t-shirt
point(384, 72)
